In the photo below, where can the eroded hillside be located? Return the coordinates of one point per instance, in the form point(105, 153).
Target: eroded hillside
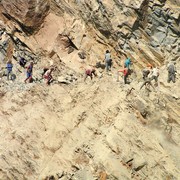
point(101, 129)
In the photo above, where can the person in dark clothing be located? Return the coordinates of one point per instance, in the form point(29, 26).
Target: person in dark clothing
point(22, 62)
point(171, 73)
point(145, 73)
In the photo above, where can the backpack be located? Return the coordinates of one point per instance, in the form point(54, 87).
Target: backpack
point(13, 77)
point(145, 72)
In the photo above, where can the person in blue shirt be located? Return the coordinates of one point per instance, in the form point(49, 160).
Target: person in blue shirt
point(127, 63)
point(9, 67)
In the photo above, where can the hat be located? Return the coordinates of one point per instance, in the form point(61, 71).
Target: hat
point(149, 65)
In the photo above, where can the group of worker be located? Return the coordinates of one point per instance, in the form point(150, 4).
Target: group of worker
point(149, 74)
point(47, 72)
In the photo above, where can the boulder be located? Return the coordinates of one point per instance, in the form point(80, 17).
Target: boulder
point(28, 14)
point(159, 36)
point(83, 174)
point(82, 55)
point(63, 80)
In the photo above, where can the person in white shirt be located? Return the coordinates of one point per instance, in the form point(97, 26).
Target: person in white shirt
point(48, 76)
point(154, 74)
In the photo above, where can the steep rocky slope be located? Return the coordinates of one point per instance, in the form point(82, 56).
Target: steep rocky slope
point(100, 129)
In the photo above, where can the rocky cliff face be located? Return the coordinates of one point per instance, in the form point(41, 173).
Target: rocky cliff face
point(100, 129)
point(27, 14)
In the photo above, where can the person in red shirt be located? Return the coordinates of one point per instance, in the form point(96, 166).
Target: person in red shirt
point(90, 72)
point(125, 73)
